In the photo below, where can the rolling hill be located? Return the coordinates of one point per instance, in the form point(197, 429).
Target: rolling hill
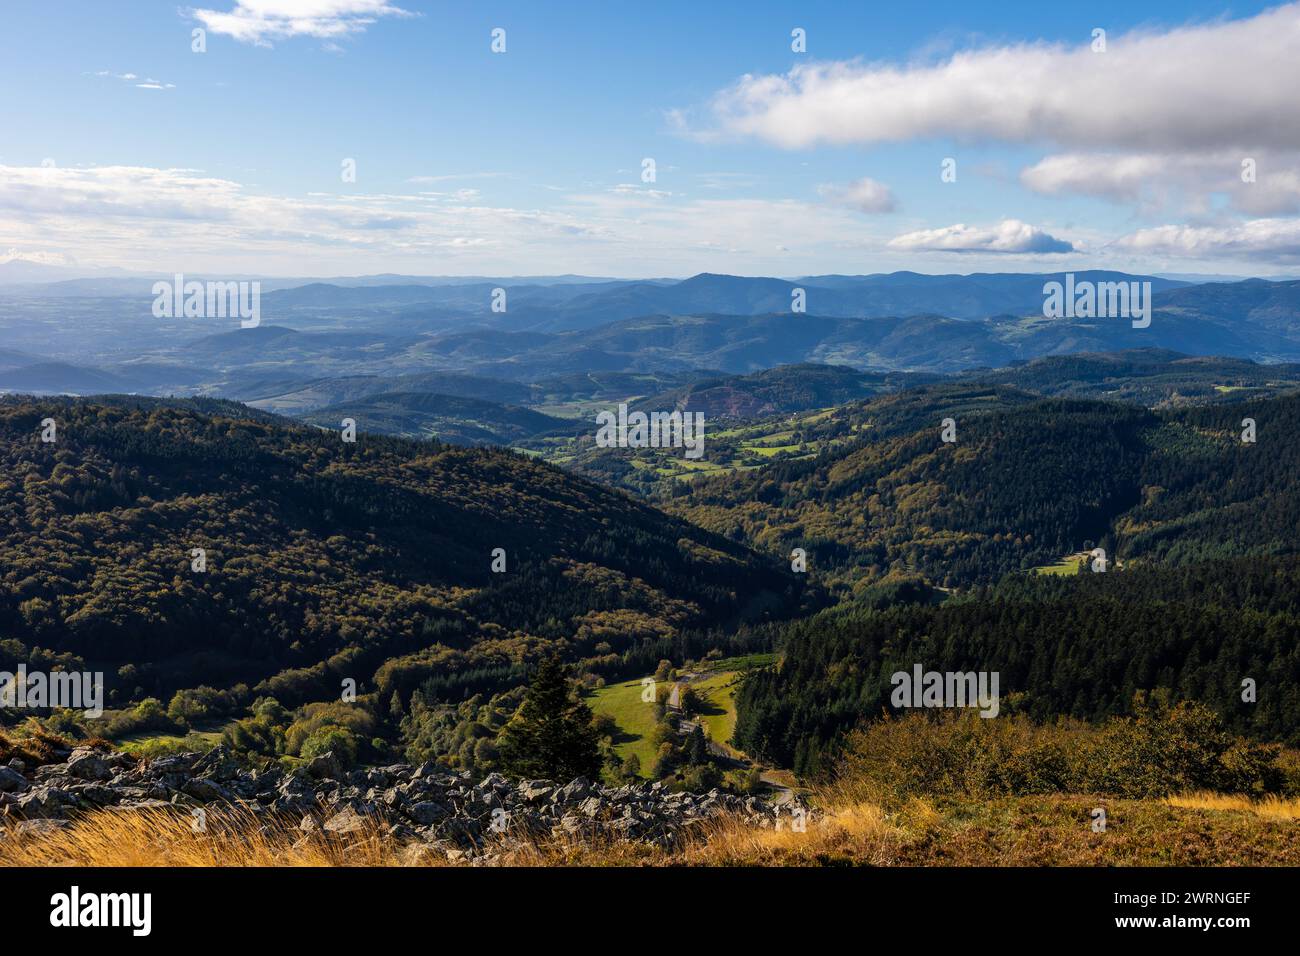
point(449, 418)
point(327, 560)
point(775, 391)
point(1026, 481)
point(1148, 377)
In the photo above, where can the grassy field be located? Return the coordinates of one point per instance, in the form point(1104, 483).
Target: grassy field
point(1066, 566)
point(719, 715)
point(740, 447)
point(635, 718)
point(719, 692)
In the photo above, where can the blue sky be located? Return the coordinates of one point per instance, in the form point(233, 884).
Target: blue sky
point(123, 148)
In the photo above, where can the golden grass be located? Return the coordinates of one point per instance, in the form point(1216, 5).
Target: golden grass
point(162, 837)
point(1268, 808)
point(860, 833)
point(1193, 829)
point(237, 837)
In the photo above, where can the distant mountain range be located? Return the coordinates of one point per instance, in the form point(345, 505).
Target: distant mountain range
point(375, 339)
point(570, 306)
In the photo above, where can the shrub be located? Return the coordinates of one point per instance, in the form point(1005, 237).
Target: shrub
point(1161, 750)
point(336, 740)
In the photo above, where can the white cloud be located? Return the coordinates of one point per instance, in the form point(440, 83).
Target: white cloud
point(140, 217)
point(864, 195)
point(1104, 175)
point(1218, 85)
point(1157, 181)
point(452, 176)
point(1008, 236)
point(639, 189)
point(145, 83)
point(1259, 240)
point(261, 21)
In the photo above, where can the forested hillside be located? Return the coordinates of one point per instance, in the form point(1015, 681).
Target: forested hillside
point(1080, 646)
point(1025, 482)
point(780, 390)
point(448, 418)
point(1149, 377)
point(325, 559)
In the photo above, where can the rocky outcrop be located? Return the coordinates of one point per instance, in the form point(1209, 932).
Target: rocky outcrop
point(429, 807)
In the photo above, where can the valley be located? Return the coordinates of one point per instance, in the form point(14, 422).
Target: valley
point(388, 592)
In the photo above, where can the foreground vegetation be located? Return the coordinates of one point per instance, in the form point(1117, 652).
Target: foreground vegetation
point(906, 795)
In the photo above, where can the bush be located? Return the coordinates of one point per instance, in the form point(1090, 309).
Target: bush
point(701, 777)
point(167, 746)
point(1159, 751)
point(255, 735)
point(336, 740)
point(148, 715)
point(199, 704)
point(314, 719)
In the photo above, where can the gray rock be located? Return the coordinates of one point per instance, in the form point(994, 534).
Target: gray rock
point(97, 793)
point(201, 788)
point(44, 803)
point(401, 833)
point(218, 764)
point(176, 764)
point(426, 812)
point(87, 764)
point(146, 804)
point(11, 781)
point(448, 811)
point(535, 791)
point(347, 820)
point(324, 766)
point(577, 790)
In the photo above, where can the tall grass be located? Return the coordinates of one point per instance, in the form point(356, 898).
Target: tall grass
point(1272, 807)
point(232, 836)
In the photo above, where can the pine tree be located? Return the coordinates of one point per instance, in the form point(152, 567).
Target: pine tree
point(551, 735)
point(697, 748)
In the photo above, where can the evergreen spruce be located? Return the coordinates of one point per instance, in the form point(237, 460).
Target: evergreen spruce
point(551, 735)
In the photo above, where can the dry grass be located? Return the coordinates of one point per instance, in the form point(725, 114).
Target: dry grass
point(161, 837)
point(1267, 808)
point(35, 745)
point(235, 837)
point(1192, 830)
